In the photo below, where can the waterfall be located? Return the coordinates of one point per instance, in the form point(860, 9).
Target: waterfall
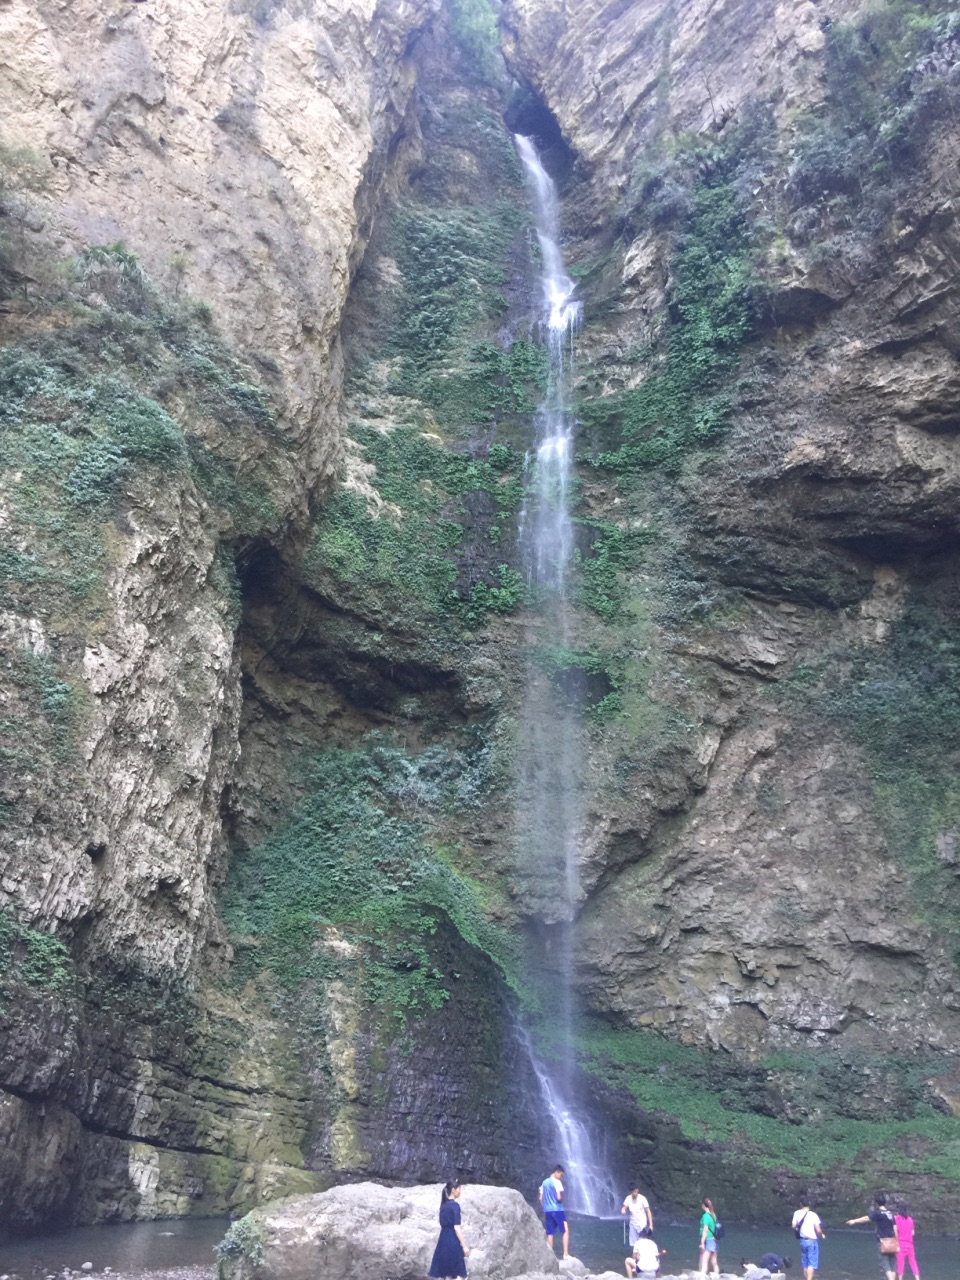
point(551, 781)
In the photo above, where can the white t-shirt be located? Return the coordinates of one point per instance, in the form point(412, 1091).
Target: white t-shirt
point(637, 1210)
point(811, 1221)
point(647, 1254)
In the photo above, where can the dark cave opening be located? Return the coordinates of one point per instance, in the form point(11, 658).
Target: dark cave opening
point(529, 115)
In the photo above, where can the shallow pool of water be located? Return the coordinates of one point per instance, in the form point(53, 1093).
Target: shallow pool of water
point(846, 1254)
point(125, 1247)
point(129, 1248)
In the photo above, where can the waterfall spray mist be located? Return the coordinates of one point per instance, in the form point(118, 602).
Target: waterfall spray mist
point(551, 775)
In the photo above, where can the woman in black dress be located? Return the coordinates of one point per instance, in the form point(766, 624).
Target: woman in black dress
point(450, 1255)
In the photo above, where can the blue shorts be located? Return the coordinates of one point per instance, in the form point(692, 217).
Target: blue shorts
point(710, 1245)
point(809, 1253)
point(554, 1222)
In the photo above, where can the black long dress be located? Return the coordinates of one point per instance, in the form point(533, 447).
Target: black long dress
point(448, 1259)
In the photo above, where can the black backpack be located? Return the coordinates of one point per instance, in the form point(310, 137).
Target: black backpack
point(719, 1230)
point(797, 1228)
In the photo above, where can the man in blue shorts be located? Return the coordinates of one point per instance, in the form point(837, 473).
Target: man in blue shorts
point(809, 1231)
point(551, 1202)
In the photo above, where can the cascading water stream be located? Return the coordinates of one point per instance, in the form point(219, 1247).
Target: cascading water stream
point(551, 773)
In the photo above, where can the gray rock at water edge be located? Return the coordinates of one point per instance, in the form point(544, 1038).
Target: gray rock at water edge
point(365, 1230)
point(572, 1267)
point(86, 1266)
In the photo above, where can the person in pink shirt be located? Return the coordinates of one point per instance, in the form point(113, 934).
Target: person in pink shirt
point(905, 1252)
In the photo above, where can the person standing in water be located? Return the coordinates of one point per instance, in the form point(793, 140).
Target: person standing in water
point(886, 1228)
point(554, 1217)
point(450, 1256)
point(709, 1259)
point(809, 1231)
point(641, 1215)
point(905, 1250)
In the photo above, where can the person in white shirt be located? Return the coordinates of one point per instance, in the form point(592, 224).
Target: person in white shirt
point(641, 1215)
point(645, 1262)
point(806, 1225)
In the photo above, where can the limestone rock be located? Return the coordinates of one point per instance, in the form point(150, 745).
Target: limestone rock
point(269, 142)
point(612, 71)
point(353, 1232)
point(238, 151)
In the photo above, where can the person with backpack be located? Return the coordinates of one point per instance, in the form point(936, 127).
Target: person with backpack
point(809, 1231)
point(886, 1228)
point(710, 1233)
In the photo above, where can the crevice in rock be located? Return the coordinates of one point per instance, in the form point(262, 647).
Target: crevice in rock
point(528, 113)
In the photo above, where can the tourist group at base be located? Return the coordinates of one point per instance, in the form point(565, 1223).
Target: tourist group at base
point(893, 1226)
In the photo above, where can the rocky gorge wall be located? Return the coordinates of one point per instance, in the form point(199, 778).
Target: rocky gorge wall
point(767, 218)
point(268, 639)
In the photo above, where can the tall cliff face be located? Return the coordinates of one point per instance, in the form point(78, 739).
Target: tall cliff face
point(226, 149)
point(268, 639)
point(765, 204)
point(238, 154)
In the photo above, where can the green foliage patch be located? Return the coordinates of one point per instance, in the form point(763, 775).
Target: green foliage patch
point(42, 731)
point(613, 551)
point(886, 78)
point(80, 418)
point(717, 1099)
point(38, 959)
point(684, 401)
point(588, 680)
point(24, 175)
point(473, 24)
point(244, 1239)
point(453, 265)
point(900, 702)
point(356, 854)
point(408, 552)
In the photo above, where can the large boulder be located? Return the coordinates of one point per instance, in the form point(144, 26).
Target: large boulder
point(365, 1231)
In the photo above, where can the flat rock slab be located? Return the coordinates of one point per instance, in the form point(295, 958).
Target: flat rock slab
point(364, 1231)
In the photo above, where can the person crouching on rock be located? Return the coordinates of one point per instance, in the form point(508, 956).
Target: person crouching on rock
point(645, 1261)
point(770, 1264)
point(551, 1202)
point(450, 1255)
